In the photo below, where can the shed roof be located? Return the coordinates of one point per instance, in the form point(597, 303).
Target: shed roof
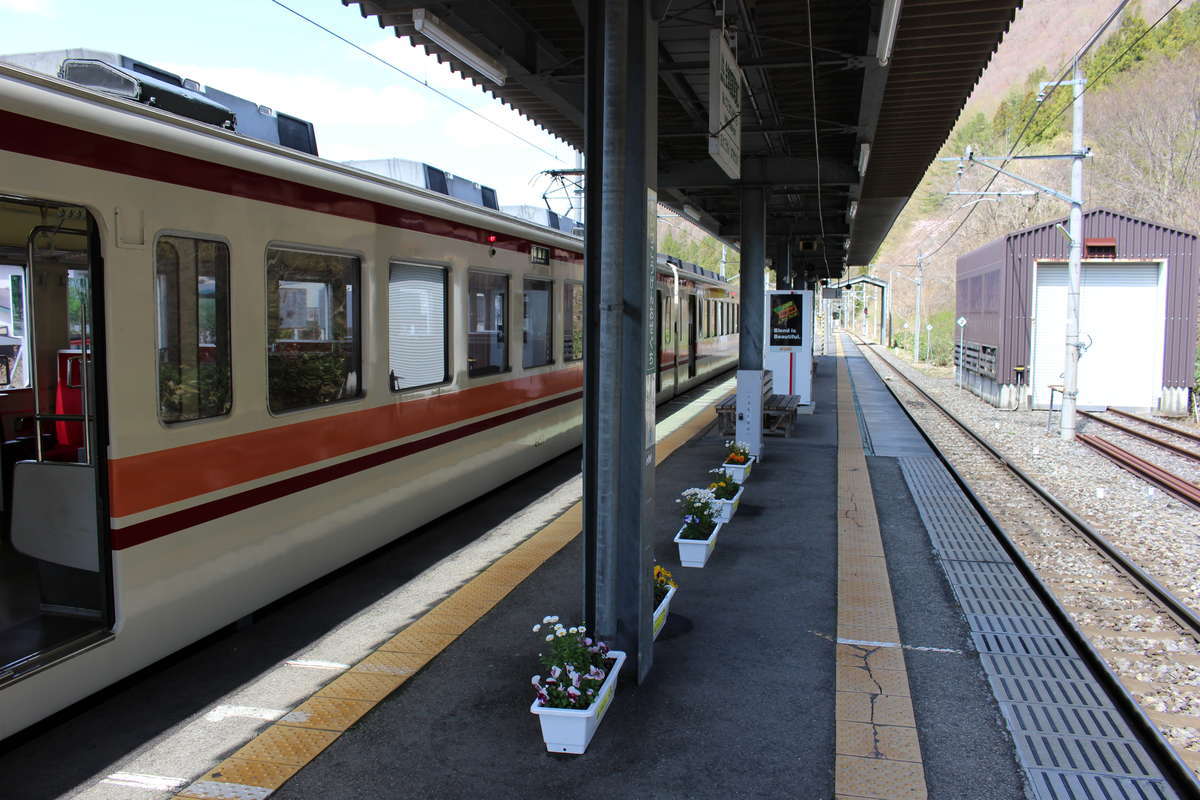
point(1099, 211)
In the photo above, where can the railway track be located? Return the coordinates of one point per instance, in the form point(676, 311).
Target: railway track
point(1155, 474)
point(1142, 435)
point(1126, 620)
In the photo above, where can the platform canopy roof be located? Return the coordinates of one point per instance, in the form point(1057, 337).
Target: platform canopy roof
point(902, 112)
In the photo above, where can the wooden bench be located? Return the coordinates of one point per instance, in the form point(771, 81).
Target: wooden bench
point(779, 410)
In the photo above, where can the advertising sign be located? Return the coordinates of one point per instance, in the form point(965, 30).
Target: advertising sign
point(724, 106)
point(787, 320)
point(788, 340)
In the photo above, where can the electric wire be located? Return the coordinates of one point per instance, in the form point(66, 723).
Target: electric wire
point(414, 78)
point(812, 82)
point(1093, 81)
point(1091, 40)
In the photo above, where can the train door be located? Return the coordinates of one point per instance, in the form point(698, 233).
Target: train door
point(55, 579)
point(658, 340)
point(693, 336)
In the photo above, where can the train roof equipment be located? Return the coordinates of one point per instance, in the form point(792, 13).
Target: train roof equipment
point(122, 76)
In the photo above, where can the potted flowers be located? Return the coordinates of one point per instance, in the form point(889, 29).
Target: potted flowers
point(698, 536)
point(664, 590)
point(738, 460)
point(578, 688)
point(728, 493)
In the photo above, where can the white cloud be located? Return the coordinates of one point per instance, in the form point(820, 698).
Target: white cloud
point(39, 8)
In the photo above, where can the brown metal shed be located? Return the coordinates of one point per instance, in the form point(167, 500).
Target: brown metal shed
point(996, 294)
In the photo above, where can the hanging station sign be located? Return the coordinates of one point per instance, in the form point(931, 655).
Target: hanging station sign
point(724, 106)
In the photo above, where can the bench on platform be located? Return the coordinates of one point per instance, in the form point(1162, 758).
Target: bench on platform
point(779, 410)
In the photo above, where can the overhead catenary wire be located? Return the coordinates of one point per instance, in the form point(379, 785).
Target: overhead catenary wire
point(1093, 81)
point(812, 82)
point(414, 78)
point(1012, 150)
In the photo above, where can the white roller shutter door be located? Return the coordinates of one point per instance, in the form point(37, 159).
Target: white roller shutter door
point(1121, 312)
point(416, 325)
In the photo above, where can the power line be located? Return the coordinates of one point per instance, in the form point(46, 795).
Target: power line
point(1091, 40)
point(812, 82)
point(415, 79)
point(1093, 81)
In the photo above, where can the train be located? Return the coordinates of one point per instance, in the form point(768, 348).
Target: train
point(230, 367)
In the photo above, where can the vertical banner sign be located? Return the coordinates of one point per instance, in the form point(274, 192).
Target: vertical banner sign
point(787, 320)
point(724, 106)
point(651, 326)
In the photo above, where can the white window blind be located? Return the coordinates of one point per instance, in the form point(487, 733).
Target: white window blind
point(416, 325)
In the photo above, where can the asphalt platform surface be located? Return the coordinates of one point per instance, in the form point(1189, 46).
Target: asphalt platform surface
point(740, 700)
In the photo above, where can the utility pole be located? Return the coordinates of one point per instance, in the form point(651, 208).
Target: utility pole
point(1066, 420)
point(917, 311)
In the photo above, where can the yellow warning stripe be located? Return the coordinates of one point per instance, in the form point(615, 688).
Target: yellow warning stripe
point(877, 751)
point(278, 752)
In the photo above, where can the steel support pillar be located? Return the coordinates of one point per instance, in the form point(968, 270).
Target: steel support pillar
point(784, 278)
point(620, 360)
point(750, 331)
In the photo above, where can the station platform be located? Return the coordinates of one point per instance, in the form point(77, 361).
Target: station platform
point(856, 633)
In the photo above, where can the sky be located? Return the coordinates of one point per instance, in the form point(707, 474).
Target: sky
point(360, 108)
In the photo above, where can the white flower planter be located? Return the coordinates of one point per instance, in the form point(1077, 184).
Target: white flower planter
point(728, 508)
point(739, 472)
point(569, 730)
point(664, 608)
point(695, 552)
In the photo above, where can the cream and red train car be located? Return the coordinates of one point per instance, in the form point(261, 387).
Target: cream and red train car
point(231, 368)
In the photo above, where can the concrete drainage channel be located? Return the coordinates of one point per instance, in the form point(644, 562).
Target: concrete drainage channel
point(1053, 687)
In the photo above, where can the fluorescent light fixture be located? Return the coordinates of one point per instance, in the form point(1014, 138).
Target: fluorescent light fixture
point(887, 30)
point(864, 155)
point(458, 46)
point(852, 210)
point(691, 212)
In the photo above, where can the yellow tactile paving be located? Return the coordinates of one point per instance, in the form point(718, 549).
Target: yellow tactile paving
point(277, 753)
point(418, 641)
point(327, 713)
point(880, 778)
point(386, 662)
point(247, 773)
point(285, 744)
point(353, 685)
point(880, 709)
point(878, 752)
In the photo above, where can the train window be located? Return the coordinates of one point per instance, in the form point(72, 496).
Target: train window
point(539, 322)
point(487, 315)
point(572, 321)
point(313, 348)
point(191, 290)
point(417, 351)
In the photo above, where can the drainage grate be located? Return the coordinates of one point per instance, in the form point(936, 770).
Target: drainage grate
point(1123, 757)
point(1101, 723)
point(1048, 692)
point(1015, 666)
point(1018, 626)
point(1058, 785)
point(1070, 740)
point(1052, 647)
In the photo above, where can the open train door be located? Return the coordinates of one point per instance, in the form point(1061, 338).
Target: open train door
point(56, 563)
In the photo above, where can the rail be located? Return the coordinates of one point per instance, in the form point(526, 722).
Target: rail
point(1155, 424)
point(1188, 492)
point(1183, 451)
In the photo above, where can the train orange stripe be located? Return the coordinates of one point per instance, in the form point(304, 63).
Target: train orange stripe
point(146, 481)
